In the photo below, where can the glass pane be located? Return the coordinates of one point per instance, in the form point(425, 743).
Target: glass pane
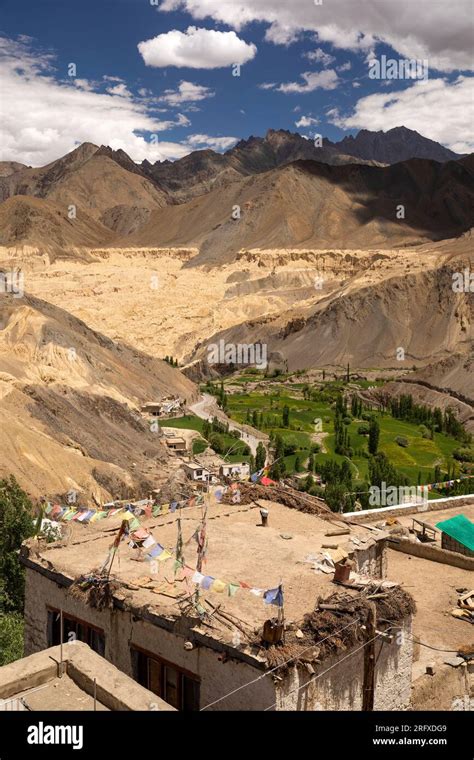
point(154, 676)
point(172, 687)
point(190, 694)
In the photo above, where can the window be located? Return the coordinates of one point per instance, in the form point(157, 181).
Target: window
point(83, 631)
point(176, 686)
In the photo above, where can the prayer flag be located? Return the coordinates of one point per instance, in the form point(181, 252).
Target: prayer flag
point(218, 586)
point(274, 596)
point(155, 551)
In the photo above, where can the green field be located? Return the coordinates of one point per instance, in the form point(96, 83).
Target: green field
point(421, 455)
point(416, 461)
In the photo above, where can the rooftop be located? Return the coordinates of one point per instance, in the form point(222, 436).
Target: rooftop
point(239, 550)
point(36, 683)
point(459, 528)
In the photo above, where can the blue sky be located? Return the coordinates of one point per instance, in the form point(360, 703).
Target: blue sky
point(116, 98)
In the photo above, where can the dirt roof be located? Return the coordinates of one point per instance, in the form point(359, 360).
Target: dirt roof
point(239, 550)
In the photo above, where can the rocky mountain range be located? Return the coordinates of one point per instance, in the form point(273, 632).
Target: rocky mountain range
point(325, 256)
point(281, 195)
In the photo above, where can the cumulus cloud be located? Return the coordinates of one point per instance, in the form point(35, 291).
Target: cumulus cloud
point(306, 121)
point(206, 141)
point(121, 90)
point(196, 49)
point(43, 118)
point(320, 56)
point(418, 107)
point(186, 92)
point(312, 80)
point(438, 31)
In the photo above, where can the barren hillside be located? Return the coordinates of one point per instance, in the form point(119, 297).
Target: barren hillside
point(69, 401)
point(308, 204)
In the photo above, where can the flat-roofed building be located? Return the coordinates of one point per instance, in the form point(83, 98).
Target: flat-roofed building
point(176, 443)
point(204, 655)
point(71, 677)
point(239, 470)
point(196, 471)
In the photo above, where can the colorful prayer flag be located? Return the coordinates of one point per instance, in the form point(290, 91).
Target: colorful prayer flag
point(274, 596)
point(218, 586)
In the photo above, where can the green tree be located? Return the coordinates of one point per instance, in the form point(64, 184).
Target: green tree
point(260, 456)
point(11, 637)
point(16, 524)
point(374, 435)
point(279, 447)
point(286, 416)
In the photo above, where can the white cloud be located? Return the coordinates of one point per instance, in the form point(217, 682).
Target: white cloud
point(344, 66)
point(216, 143)
point(121, 90)
point(267, 85)
point(437, 109)
point(313, 80)
point(187, 92)
point(320, 56)
point(43, 118)
point(439, 31)
point(196, 49)
point(306, 121)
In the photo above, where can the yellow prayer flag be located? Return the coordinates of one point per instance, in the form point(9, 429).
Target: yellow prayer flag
point(165, 508)
point(164, 556)
point(218, 586)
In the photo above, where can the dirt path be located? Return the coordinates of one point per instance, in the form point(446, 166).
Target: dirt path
point(206, 408)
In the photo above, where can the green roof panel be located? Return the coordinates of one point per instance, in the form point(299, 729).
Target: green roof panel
point(459, 528)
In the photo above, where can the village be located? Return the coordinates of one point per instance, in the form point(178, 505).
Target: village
point(226, 589)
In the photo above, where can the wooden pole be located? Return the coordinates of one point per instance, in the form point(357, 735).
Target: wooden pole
point(368, 694)
point(61, 635)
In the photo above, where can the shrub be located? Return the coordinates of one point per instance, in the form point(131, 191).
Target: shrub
point(464, 454)
point(402, 441)
point(363, 430)
point(366, 416)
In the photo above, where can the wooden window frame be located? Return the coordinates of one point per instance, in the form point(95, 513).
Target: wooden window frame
point(164, 663)
point(78, 621)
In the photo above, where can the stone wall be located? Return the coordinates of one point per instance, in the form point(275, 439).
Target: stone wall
point(450, 503)
point(447, 689)
point(337, 683)
point(371, 561)
point(432, 552)
point(212, 662)
point(218, 672)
